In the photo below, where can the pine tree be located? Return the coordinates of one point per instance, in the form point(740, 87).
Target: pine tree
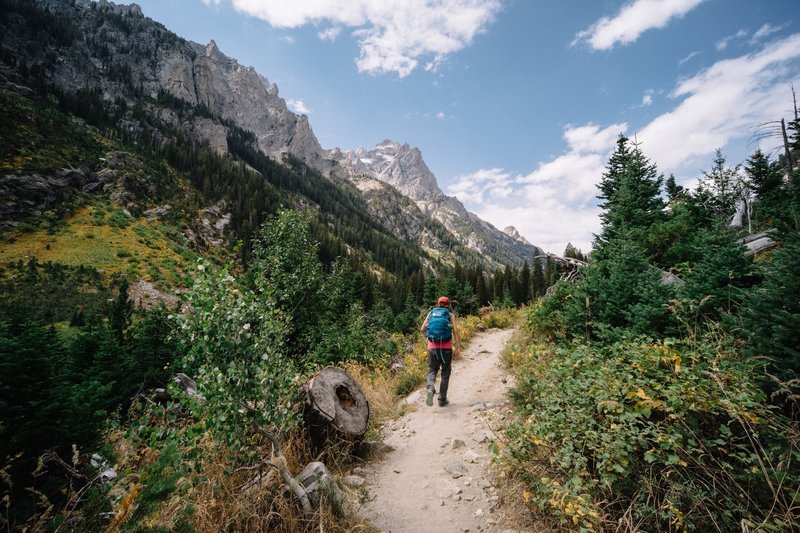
point(525, 284)
point(674, 191)
point(121, 311)
point(481, 293)
point(538, 284)
point(721, 188)
point(766, 178)
point(431, 291)
point(631, 191)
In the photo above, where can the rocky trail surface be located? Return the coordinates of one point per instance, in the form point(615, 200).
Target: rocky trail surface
point(438, 477)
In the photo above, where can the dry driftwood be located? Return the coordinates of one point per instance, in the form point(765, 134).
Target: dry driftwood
point(279, 461)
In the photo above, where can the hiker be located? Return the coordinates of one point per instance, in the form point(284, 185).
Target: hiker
point(440, 329)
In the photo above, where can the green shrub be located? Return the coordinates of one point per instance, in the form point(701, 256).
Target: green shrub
point(408, 382)
point(234, 349)
point(668, 435)
point(118, 219)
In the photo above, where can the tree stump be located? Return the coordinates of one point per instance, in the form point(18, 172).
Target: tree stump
point(335, 407)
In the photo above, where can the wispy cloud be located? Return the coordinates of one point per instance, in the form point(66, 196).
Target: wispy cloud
point(647, 98)
point(556, 203)
point(330, 34)
point(765, 31)
point(393, 35)
point(298, 106)
point(688, 58)
point(723, 43)
point(632, 20)
point(473, 187)
point(724, 102)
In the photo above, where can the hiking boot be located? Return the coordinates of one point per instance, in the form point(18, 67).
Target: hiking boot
point(443, 402)
point(429, 398)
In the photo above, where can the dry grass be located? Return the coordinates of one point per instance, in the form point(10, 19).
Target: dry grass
point(224, 496)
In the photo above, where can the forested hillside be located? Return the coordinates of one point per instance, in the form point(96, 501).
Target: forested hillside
point(668, 403)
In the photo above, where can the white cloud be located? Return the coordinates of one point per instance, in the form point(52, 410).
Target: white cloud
point(723, 43)
point(632, 20)
point(688, 58)
point(470, 188)
point(298, 106)
point(394, 35)
point(330, 34)
point(718, 107)
point(765, 31)
point(722, 103)
point(553, 205)
point(440, 115)
point(573, 176)
point(548, 224)
point(647, 98)
point(288, 38)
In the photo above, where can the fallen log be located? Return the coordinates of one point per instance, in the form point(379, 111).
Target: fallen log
point(335, 407)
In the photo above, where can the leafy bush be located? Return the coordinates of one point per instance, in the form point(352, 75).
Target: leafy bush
point(665, 435)
point(234, 347)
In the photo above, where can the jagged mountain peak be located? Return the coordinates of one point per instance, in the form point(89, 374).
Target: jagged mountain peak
point(403, 167)
point(400, 166)
point(201, 74)
point(512, 232)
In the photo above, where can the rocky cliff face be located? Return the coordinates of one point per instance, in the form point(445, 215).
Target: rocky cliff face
point(114, 51)
point(404, 168)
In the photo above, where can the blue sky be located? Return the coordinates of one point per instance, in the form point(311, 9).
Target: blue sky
point(516, 104)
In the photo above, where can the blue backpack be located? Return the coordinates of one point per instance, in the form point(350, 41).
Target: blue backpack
point(439, 326)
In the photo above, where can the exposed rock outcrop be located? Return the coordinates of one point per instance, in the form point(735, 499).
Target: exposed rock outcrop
point(404, 168)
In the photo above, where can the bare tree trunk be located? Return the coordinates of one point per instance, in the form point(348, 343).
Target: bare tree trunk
point(789, 162)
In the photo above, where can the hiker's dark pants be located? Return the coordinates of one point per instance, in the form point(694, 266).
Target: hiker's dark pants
point(439, 357)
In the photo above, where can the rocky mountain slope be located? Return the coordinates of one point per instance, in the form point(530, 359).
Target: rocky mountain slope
point(404, 168)
point(116, 53)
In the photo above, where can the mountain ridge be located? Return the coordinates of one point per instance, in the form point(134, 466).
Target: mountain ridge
point(122, 48)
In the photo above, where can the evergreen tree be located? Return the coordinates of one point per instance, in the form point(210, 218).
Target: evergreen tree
point(538, 284)
point(525, 284)
point(771, 315)
point(720, 189)
point(631, 192)
point(431, 291)
point(481, 292)
point(121, 311)
point(766, 178)
point(498, 287)
point(450, 287)
point(674, 191)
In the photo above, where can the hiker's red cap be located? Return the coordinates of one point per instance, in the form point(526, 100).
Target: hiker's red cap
point(443, 300)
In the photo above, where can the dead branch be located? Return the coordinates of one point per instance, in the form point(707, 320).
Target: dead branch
point(279, 461)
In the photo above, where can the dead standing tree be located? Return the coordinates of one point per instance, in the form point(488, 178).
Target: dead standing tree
point(570, 265)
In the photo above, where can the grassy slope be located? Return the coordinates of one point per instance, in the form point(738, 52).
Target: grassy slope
point(103, 237)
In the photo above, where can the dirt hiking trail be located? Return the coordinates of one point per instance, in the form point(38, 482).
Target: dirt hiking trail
point(437, 478)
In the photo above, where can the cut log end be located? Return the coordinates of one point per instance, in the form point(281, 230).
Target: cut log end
point(334, 398)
